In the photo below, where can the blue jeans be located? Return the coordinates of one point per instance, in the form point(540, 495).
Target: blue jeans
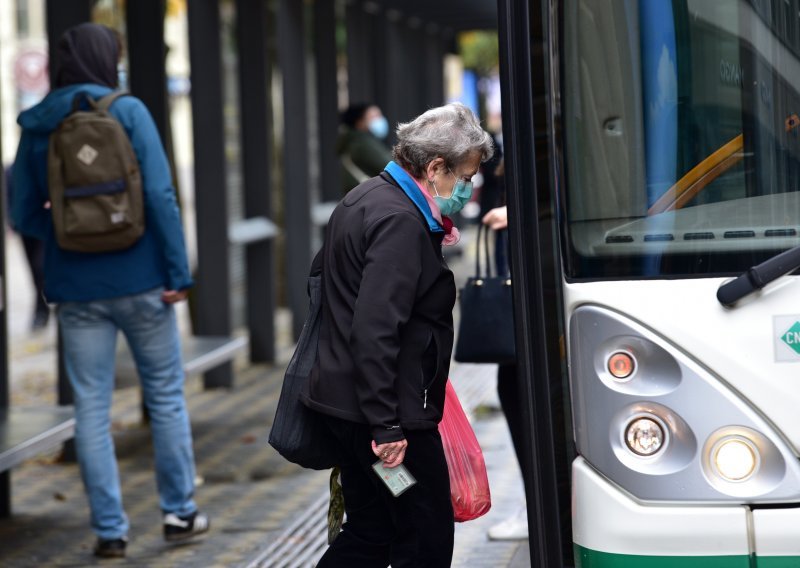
point(89, 338)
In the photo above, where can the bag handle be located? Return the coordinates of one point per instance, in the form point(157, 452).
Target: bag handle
point(483, 239)
point(483, 242)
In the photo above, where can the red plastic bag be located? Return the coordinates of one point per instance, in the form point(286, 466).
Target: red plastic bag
point(469, 486)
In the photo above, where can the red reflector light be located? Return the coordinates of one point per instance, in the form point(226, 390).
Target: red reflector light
point(621, 365)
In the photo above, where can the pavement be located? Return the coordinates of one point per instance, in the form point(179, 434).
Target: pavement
point(253, 496)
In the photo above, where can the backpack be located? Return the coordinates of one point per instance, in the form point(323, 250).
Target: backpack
point(94, 180)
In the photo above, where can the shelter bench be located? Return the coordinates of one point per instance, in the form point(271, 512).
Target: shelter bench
point(26, 432)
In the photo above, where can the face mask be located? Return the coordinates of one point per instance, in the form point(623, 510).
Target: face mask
point(462, 192)
point(379, 127)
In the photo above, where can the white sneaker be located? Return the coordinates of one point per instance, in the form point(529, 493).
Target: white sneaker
point(513, 528)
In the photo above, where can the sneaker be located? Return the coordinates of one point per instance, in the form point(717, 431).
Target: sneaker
point(181, 528)
point(513, 528)
point(110, 548)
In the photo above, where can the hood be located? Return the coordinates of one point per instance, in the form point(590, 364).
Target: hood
point(48, 114)
point(87, 53)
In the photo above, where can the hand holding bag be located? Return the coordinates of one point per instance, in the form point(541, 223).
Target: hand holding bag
point(298, 433)
point(469, 485)
point(486, 327)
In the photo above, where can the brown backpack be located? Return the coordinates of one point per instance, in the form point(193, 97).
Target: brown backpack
point(94, 180)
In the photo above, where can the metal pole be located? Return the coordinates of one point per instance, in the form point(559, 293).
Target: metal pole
point(292, 59)
point(327, 107)
point(255, 127)
point(5, 476)
point(62, 15)
point(360, 85)
point(213, 271)
point(147, 59)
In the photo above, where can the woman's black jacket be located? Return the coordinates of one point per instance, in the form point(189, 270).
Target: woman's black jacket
point(387, 314)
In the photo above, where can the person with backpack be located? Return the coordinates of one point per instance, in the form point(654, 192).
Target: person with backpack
point(93, 182)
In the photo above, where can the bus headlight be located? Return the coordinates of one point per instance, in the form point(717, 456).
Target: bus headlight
point(645, 436)
point(734, 458)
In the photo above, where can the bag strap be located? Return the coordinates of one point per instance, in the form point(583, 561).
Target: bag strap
point(483, 241)
point(102, 104)
point(105, 103)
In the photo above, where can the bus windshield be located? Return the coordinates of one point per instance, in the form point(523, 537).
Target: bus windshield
point(681, 136)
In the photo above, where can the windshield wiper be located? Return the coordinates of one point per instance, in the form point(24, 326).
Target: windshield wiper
point(758, 276)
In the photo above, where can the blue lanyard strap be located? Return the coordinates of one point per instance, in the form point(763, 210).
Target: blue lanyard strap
point(411, 189)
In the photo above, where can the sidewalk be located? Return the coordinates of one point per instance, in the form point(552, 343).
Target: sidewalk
point(250, 492)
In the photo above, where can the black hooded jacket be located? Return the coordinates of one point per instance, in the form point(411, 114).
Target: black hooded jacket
point(387, 315)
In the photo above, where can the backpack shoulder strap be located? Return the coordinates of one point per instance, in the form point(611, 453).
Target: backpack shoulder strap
point(105, 103)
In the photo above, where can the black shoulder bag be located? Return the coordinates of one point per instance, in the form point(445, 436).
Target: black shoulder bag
point(299, 433)
point(486, 327)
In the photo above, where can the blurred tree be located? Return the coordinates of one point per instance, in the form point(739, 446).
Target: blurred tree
point(479, 51)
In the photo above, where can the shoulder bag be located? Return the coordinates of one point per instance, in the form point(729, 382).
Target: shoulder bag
point(486, 326)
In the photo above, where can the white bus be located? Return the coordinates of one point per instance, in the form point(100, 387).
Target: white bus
point(653, 169)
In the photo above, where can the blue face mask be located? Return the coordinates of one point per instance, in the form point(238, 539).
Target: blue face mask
point(462, 192)
point(379, 127)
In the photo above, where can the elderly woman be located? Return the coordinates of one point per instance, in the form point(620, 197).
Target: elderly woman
point(386, 338)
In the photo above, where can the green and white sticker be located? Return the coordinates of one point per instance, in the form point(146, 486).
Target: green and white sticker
point(787, 338)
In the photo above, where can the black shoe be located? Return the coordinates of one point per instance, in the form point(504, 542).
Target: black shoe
point(181, 528)
point(112, 548)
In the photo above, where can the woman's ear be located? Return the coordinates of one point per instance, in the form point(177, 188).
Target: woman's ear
point(433, 166)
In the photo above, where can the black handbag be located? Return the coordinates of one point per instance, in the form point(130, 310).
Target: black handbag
point(298, 433)
point(486, 327)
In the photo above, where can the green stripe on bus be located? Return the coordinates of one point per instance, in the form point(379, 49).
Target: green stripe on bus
point(588, 558)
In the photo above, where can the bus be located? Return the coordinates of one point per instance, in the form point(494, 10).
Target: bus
point(653, 171)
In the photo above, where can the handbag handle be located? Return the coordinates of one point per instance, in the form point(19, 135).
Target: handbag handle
point(483, 239)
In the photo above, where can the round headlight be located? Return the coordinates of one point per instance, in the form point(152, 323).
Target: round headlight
point(735, 458)
point(644, 436)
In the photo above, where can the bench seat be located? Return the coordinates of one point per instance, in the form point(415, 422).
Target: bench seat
point(201, 353)
point(28, 431)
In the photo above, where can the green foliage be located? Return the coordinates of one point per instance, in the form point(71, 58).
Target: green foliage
point(479, 51)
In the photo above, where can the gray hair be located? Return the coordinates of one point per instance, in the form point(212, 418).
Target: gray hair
point(451, 132)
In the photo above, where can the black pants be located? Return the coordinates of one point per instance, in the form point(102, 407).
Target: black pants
point(34, 252)
point(511, 403)
point(413, 530)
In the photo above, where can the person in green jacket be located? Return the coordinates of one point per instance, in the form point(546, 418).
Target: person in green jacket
point(362, 152)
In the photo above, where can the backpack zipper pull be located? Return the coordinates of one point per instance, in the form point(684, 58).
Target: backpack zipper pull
point(425, 401)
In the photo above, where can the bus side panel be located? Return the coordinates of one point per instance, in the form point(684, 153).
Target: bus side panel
point(777, 537)
point(610, 529)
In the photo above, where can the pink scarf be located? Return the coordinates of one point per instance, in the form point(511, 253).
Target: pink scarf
point(451, 234)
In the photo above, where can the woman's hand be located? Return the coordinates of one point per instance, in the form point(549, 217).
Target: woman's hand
point(391, 453)
point(497, 218)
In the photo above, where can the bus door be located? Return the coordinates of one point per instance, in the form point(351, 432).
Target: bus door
point(653, 156)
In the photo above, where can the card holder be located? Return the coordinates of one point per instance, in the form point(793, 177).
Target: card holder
point(397, 479)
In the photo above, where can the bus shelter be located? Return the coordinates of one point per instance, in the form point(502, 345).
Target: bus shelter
point(394, 52)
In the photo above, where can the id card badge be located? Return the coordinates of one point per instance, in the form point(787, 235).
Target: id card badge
point(397, 479)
